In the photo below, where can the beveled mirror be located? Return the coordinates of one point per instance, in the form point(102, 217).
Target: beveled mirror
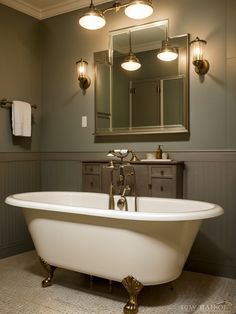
point(151, 100)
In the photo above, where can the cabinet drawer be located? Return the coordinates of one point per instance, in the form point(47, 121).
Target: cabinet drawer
point(162, 187)
point(91, 183)
point(92, 168)
point(162, 172)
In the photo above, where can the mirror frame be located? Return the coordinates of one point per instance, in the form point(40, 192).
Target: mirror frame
point(165, 129)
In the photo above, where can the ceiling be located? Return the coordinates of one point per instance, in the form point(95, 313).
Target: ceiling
point(42, 9)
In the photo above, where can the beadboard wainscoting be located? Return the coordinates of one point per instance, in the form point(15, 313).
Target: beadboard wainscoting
point(61, 171)
point(208, 176)
point(19, 172)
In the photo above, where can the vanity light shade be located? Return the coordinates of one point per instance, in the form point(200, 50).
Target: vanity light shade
point(82, 77)
point(93, 19)
point(201, 64)
point(131, 63)
point(167, 53)
point(139, 9)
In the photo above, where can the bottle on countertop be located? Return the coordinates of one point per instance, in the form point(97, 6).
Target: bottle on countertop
point(159, 152)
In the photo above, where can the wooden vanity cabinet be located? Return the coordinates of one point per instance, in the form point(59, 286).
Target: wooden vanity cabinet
point(154, 179)
point(91, 177)
point(166, 180)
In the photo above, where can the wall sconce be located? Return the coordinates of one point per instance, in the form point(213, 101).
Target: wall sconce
point(131, 62)
point(201, 64)
point(135, 9)
point(166, 52)
point(84, 80)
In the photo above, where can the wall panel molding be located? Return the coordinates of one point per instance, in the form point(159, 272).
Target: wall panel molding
point(186, 155)
point(19, 172)
point(9, 157)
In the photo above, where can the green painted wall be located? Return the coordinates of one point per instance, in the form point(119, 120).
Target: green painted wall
point(212, 105)
point(20, 74)
point(212, 102)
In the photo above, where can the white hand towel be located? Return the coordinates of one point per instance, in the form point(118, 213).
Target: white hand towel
point(21, 118)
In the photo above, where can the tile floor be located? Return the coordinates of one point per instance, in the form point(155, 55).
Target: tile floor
point(21, 292)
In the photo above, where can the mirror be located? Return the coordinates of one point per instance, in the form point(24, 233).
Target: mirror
point(150, 100)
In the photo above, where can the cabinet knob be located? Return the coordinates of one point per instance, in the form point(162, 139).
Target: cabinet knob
point(162, 172)
point(161, 188)
point(149, 186)
point(91, 183)
point(91, 169)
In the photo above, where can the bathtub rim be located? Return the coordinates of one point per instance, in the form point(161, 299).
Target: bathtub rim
point(213, 210)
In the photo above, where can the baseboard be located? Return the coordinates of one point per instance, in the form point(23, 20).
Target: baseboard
point(206, 267)
point(16, 248)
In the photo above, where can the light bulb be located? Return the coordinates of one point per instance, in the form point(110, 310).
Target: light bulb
point(131, 63)
point(198, 46)
point(92, 19)
point(167, 53)
point(167, 56)
point(139, 9)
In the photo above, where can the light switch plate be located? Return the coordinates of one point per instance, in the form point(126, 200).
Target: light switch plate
point(84, 121)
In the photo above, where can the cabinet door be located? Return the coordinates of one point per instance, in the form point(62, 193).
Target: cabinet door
point(162, 171)
point(142, 175)
point(91, 177)
point(91, 183)
point(163, 188)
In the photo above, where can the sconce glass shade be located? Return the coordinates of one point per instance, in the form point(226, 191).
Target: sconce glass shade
point(167, 53)
point(81, 68)
point(131, 62)
point(139, 9)
point(81, 71)
point(198, 46)
point(93, 19)
point(201, 64)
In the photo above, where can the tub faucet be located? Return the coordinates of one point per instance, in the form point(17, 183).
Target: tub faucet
point(123, 185)
point(125, 188)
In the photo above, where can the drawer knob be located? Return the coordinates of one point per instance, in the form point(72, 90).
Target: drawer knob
point(162, 172)
point(91, 169)
point(149, 186)
point(162, 189)
point(91, 183)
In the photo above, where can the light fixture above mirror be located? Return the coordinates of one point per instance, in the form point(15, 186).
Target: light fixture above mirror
point(167, 52)
point(94, 18)
point(139, 9)
point(131, 62)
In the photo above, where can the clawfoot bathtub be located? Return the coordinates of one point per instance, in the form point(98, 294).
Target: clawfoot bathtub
point(76, 231)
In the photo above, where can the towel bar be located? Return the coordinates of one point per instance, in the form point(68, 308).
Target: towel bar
point(4, 103)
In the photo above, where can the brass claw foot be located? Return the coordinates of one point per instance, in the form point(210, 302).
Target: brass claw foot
point(50, 270)
point(133, 287)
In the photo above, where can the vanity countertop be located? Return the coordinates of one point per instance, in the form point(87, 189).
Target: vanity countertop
point(142, 161)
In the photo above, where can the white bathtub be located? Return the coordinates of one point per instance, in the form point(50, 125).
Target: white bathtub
point(76, 231)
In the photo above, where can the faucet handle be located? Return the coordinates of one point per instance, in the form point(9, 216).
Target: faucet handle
point(110, 165)
point(127, 188)
point(134, 157)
